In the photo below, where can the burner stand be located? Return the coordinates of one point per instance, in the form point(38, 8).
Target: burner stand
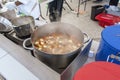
point(12, 36)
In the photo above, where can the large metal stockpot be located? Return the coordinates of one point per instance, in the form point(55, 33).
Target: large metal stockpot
point(59, 61)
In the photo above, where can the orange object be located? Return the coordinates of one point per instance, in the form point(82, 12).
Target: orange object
point(98, 71)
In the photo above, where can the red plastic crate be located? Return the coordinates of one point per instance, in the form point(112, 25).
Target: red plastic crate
point(105, 24)
point(107, 19)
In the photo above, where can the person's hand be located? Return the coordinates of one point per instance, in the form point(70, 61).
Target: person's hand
point(10, 5)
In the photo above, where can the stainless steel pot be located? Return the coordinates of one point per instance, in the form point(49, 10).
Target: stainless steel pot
point(59, 61)
point(23, 26)
point(8, 14)
point(5, 25)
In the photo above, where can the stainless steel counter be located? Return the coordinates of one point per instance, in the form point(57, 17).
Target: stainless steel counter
point(39, 69)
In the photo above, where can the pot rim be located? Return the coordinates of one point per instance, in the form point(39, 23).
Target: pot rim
point(16, 25)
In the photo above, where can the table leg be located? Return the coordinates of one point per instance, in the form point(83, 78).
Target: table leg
point(68, 5)
point(85, 5)
point(78, 8)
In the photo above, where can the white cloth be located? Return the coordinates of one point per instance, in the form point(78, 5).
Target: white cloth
point(10, 5)
point(48, 1)
point(27, 6)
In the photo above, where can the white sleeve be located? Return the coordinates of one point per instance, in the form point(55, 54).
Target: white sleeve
point(24, 1)
point(48, 1)
point(10, 5)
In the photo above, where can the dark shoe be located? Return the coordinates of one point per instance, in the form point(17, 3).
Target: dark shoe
point(97, 1)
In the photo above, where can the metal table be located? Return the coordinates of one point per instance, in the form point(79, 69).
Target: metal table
point(38, 68)
point(23, 56)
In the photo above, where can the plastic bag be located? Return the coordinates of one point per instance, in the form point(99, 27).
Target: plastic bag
point(113, 10)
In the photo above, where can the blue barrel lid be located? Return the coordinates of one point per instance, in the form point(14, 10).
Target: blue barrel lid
point(111, 35)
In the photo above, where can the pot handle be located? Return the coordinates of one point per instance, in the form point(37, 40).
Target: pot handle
point(87, 37)
point(113, 57)
point(24, 46)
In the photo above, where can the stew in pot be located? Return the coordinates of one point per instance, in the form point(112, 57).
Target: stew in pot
point(57, 43)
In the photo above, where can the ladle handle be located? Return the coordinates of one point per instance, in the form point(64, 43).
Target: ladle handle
point(24, 46)
point(88, 38)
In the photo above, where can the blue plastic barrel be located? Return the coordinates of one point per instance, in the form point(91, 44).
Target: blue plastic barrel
point(109, 44)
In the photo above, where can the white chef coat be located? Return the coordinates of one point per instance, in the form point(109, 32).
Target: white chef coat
point(29, 7)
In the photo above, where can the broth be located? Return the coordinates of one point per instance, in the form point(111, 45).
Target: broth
point(57, 44)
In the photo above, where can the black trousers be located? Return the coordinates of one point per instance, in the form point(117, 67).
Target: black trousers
point(114, 2)
point(55, 10)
